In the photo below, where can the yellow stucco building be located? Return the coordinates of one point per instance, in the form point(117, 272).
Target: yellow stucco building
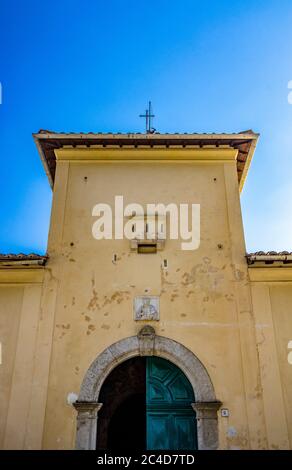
point(98, 327)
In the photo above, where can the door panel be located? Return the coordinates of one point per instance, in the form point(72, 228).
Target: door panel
point(184, 427)
point(158, 431)
point(171, 422)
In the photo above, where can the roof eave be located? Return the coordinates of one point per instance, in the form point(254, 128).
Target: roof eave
point(248, 161)
point(249, 136)
point(253, 259)
point(21, 264)
point(43, 158)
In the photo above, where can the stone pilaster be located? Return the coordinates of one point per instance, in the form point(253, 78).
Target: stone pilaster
point(86, 424)
point(207, 424)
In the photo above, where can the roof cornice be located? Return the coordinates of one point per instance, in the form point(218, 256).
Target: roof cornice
point(261, 258)
point(22, 260)
point(48, 141)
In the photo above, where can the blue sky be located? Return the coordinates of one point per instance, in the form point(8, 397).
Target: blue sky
point(207, 66)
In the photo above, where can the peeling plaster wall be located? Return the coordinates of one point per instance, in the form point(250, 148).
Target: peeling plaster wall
point(204, 295)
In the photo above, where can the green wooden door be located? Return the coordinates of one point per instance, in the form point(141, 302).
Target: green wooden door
point(171, 421)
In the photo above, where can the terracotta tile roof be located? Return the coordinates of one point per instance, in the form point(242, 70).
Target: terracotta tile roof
point(46, 131)
point(47, 141)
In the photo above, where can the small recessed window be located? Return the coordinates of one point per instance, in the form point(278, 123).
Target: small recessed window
point(147, 248)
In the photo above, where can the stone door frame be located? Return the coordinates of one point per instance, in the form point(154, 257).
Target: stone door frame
point(147, 343)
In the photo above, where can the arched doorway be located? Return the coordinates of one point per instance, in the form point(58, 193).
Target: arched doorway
point(147, 405)
point(147, 344)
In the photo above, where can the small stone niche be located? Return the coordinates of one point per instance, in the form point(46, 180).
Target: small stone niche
point(149, 233)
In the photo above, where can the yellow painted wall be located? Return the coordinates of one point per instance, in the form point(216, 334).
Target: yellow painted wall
point(272, 299)
point(10, 307)
point(84, 302)
point(204, 301)
point(20, 292)
point(281, 304)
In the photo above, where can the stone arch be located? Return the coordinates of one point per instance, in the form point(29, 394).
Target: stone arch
point(147, 343)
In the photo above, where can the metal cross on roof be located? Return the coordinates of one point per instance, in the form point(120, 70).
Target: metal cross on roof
point(148, 116)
